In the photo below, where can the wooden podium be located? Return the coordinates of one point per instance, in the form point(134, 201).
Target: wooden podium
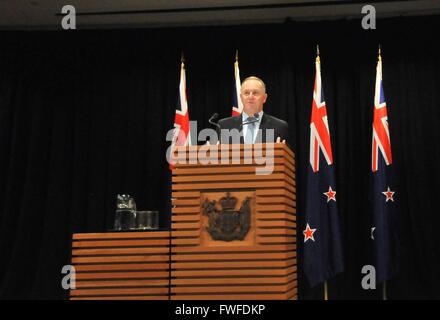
point(233, 234)
point(233, 228)
point(121, 265)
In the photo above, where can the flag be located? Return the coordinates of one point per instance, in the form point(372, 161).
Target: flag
point(181, 134)
point(237, 104)
point(323, 257)
point(383, 192)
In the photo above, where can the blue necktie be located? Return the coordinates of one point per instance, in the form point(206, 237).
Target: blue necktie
point(249, 138)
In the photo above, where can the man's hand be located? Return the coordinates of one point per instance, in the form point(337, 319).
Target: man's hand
point(279, 140)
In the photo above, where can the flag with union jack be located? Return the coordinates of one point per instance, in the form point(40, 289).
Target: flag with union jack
point(237, 104)
point(384, 196)
point(181, 134)
point(323, 257)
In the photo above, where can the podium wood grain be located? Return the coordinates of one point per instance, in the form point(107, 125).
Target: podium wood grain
point(263, 265)
point(121, 265)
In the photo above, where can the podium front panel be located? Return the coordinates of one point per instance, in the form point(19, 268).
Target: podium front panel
point(234, 231)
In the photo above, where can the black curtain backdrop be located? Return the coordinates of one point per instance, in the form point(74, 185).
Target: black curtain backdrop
point(84, 114)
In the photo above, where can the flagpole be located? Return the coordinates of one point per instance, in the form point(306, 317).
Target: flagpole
point(237, 106)
point(384, 290)
point(317, 54)
point(318, 60)
point(379, 57)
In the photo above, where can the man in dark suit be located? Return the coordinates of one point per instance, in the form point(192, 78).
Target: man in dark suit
point(255, 125)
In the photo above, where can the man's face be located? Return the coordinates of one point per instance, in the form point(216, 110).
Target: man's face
point(253, 96)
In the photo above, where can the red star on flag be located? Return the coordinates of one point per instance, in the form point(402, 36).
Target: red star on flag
point(389, 195)
point(308, 233)
point(331, 195)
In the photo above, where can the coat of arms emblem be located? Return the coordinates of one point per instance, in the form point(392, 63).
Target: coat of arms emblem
point(227, 224)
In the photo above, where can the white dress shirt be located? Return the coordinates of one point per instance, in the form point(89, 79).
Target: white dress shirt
point(256, 126)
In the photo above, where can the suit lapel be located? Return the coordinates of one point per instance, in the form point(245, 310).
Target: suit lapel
point(236, 125)
point(263, 125)
point(237, 122)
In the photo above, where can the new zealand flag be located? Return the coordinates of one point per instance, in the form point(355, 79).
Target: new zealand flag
point(383, 193)
point(323, 256)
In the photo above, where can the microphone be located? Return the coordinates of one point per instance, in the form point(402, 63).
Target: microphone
point(250, 120)
point(219, 128)
point(211, 121)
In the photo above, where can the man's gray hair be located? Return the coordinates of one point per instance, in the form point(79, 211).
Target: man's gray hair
point(257, 79)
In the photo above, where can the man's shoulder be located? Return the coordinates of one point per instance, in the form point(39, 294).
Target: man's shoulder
point(275, 120)
point(229, 121)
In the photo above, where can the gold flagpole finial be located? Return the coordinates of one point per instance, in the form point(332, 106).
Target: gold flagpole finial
point(182, 58)
point(379, 56)
point(317, 53)
point(236, 55)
